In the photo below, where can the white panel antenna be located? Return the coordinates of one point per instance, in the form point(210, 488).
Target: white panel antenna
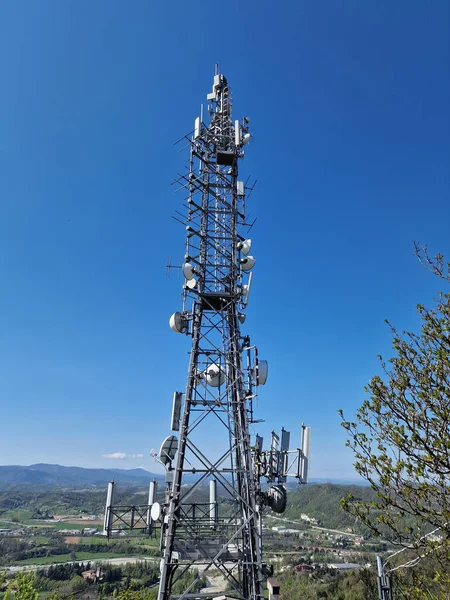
point(306, 448)
point(237, 134)
point(283, 457)
point(176, 411)
point(197, 128)
point(246, 290)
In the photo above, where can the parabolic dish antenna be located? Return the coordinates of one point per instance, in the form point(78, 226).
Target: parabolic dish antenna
point(178, 323)
point(277, 498)
point(247, 263)
point(155, 511)
point(188, 270)
point(214, 375)
point(263, 371)
point(168, 450)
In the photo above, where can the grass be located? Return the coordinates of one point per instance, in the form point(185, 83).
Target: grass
point(148, 542)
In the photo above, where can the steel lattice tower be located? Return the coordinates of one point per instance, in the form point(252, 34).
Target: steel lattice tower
point(210, 518)
point(221, 385)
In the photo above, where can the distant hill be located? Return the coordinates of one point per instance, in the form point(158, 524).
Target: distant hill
point(321, 501)
point(43, 474)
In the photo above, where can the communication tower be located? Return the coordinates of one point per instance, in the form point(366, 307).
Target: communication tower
point(210, 517)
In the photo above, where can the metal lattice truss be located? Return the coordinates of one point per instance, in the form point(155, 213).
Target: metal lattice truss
point(127, 517)
point(221, 385)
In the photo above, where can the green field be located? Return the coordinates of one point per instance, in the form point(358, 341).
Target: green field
point(60, 558)
point(40, 540)
point(95, 539)
point(22, 514)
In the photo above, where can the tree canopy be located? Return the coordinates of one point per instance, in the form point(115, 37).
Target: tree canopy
point(401, 435)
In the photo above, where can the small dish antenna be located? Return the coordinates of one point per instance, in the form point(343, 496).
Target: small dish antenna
point(178, 323)
point(214, 375)
point(247, 263)
point(276, 498)
point(191, 283)
point(168, 450)
point(188, 271)
point(260, 372)
point(155, 511)
point(244, 246)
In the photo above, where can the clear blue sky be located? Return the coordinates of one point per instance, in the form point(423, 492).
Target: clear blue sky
point(349, 107)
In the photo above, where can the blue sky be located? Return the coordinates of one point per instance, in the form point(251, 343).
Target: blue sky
point(349, 107)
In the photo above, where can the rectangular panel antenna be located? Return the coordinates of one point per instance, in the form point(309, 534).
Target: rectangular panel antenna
point(274, 454)
point(197, 128)
point(237, 134)
point(283, 457)
point(306, 444)
point(176, 411)
point(285, 439)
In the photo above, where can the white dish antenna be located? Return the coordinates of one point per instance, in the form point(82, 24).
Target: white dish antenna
point(178, 323)
point(246, 139)
point(245, 246)
point(191, 284)
point(168, 450)
point(262, 370)
point(247, 263)
point(156, 511)
point(188, 271)
point(214, 375)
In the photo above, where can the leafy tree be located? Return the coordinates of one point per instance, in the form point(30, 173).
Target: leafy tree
point(24, 587)
point(401, 437)
point(143, 594)
point(7, 595)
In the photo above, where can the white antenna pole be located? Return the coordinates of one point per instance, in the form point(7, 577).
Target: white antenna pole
point(213, 512)
point(108, 509)
point(152, 490)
